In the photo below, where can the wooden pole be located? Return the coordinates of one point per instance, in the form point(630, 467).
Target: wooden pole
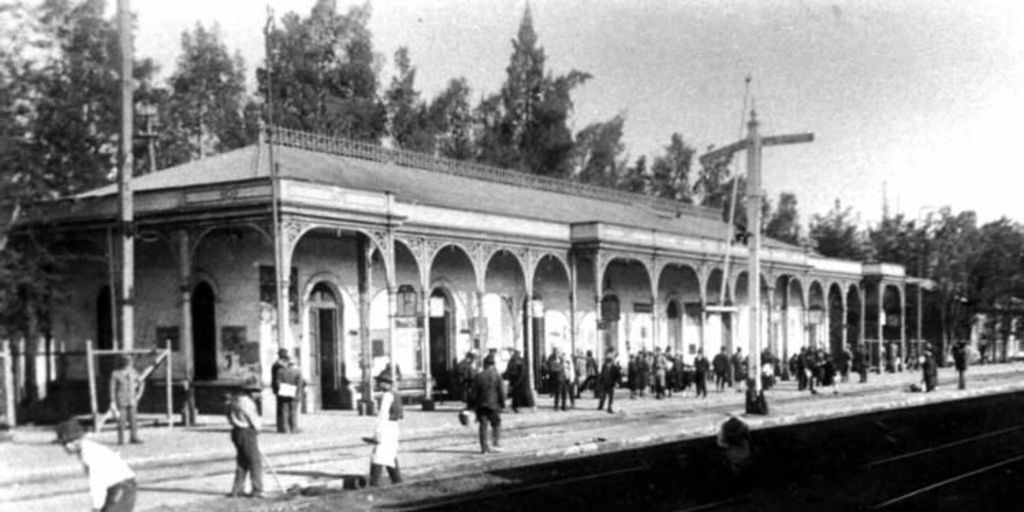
point(125, 174)
point(754, 404)
point(91, 370)
point(170, 391)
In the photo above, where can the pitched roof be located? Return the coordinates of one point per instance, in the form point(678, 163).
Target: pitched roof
point(500, 192)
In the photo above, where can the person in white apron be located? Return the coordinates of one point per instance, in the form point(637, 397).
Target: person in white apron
point(385, 436)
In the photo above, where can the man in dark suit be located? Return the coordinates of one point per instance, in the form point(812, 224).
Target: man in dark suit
point(289, 393)
point(960, 356)
point(607, 379)
point(700, 373)
point(488, 399)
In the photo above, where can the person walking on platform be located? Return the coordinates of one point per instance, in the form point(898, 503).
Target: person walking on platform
point(488, 400)
point(591, 373)
point(289, 392)
point(720, 364)
point(124, 394)
point(579, 366)
point(112, 485)
point(960, 356)
point(811, 368)
point(386, 433)
point(700, 374)
point(843, 360)
point(465, 374)
point(607, 379)
point(245, 429)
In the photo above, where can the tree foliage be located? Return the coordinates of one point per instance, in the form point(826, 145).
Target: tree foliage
point(670, 172)
point(207, 111)
point(836, 235)
point(525, 125)
point(323, 73)
point(784, 223)
point(598, 152)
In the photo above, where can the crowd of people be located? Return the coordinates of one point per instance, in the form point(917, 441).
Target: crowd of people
point(476, 381)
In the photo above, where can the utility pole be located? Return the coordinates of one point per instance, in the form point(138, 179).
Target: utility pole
point(125, 165)
point(753, 143)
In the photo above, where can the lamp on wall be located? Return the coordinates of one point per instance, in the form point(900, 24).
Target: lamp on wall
point(537, 308)
point(407, 301)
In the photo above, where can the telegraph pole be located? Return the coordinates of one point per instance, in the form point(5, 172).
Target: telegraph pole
point(753, 143)
point(125, 166)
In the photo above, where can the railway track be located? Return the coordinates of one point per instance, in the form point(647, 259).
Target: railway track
point(903, 469)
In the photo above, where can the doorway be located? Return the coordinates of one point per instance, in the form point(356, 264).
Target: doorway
point(204, 332)
point(324, 326)
point(675, 327)
point(441, 354)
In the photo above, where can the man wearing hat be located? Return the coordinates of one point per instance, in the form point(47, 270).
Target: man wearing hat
point(488, 399)
point(111, 481)
point(385, 434)
point(124, 391)
point(245, 428)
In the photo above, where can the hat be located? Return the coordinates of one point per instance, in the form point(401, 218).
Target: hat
point(69, 431)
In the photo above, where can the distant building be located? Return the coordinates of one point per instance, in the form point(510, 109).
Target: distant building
point(481, 256)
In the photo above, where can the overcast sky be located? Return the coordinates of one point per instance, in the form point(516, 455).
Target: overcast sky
point(919, 98)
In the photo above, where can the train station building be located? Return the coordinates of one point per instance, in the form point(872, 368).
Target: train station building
point(390, 252)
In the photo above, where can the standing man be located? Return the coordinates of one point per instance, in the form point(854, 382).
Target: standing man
point(568, 373)
point(556, 374)
point(960, 357)
point(720, 364)
point(860, 362)
point(607, 379)
point(518, 382)
point(275, 383)
point(124, 393)
point(700, 373)
point(289, 392)
point(659, 367)
point(111, 482)
point(739, 372)
point(245, 429)
point(385, 434)
point(930, 369)
point(488, 399)
point(590, 382)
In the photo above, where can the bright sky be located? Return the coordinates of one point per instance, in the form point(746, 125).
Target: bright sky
point(914, 97)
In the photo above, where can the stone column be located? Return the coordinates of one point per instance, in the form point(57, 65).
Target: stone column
point(428, 384)
point(573, 321)
point(185, 335)
point(366, 405)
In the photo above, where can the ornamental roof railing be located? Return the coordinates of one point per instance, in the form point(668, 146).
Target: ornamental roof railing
point(288, 137)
